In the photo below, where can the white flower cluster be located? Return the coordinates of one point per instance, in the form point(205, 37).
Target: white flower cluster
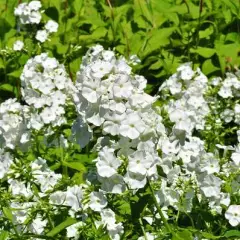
point(13, 124)
point(50, 27)
point(111, 98)
point(24, 200)
point(28, 13)
point(201, 174)
point(187, 107)
point(47, 88)
point(229, 92)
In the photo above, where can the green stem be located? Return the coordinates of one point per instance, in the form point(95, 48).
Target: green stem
point(143, 230)
point(64, 168)
point(112, 18)
point(159, 208)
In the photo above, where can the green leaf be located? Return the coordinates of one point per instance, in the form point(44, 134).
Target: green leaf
point(8, 213)
point(77, 5)
point(209, 235)
point(206, 33)
point(204, 52)
point(156, 65)
point(182, 235)
point(158, 38)
point(16, 73)
point(68, 222)
point(232, 37)
point(7, 87)
point(3, 235)
point(85, 158)
point(4, 27)
point(75, 165)
point(208, 67)
point(232, 233)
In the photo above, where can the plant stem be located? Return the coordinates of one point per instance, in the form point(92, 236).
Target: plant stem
point(112, 17)
point(143, 230)
point(159, 208)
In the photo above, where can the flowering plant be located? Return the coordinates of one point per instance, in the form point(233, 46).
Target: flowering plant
point(99, 158)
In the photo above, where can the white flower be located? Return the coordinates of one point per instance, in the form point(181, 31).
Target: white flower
point(210, 185)
point(107, 163)
point(51, 26)
point(74, 197)
point(135, 180)
point(100, 68)
point(225, 92)
point(122, 87)
point(113, 123)
point(233, 215)
point(209, 164)
point(42, 35)
point(72, 231)
point(38, 225)
point(134, 60)
point(113, 184)
point(236, 156)
point(140, 162)
point(57, 198)
point(5, 162)
point(186, 72)
point(18, 45)
point(132, 126)
point(97, 201)
point(148, 235)
point(35, 5)
point(47, 115)
point(29, 13)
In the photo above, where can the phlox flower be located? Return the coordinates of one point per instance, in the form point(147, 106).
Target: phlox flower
point(210, 185)
point(5, 162)
point(122, 88)
point(135, 180)
point(233, 215)
point(112, 123)
point(107, 164)
point(100, 68)
point(18, 45)
point(51, 26)
point(38, 225)
point(114, 184)
point(74, 196)
point(42, 35)
point(132, 126)
point(97, 201)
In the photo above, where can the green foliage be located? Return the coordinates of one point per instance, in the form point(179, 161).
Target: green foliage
point(163, 34)
point(68, 222)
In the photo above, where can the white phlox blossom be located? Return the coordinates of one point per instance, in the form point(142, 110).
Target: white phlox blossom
point(188, 108)
point(114, 229)
point(42, 35)
point(38, 225)
point(47, 88)
point(46, 178)
point(29, 13)
point(97, 201)
point(13, 124)
point(18, 45)
point(111, 98)
point(233, 215)
point(6, 161)
point(107, 164)
point(51, 26)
